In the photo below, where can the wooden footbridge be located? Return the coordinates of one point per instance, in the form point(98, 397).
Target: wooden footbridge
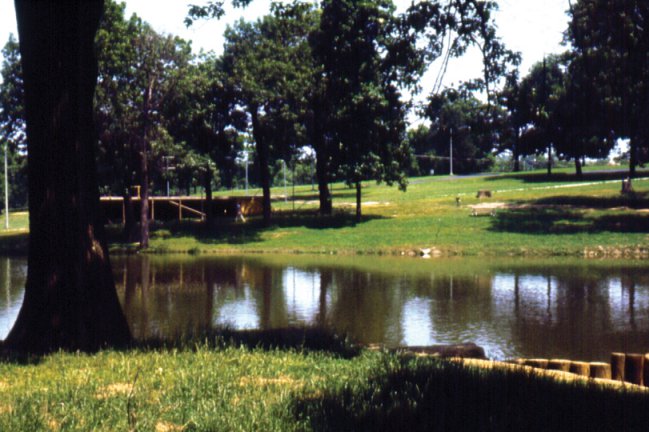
point(180, 207)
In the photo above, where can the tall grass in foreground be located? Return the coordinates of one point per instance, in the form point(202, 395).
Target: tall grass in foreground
point(202, 388)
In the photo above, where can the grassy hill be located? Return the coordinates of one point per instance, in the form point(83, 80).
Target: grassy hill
point(534, 215)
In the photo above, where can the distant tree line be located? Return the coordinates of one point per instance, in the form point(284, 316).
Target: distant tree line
point(324, 85)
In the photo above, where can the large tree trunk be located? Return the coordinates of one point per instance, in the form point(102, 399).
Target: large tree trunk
point(70, 299)
point(144, 169)
point(516, 153)
point(263, 159)
point(550, 160)
point(209, 217)
point(322, 158)
point(358, 201)
point(633, 157)
point(324, 194)
point(578, 170)
point(130, 227)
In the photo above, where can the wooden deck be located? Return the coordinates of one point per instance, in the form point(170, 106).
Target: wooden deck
point(180, 208)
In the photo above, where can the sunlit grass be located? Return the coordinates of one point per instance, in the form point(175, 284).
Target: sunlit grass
point(569, 216)
point(202, 388)
point(565, 216)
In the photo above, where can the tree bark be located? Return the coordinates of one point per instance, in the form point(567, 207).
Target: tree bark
point(263, 159)
point(550, 160)
point(579, 172)
point(208, 196)
point(130, 226)
point(70, 299)
point(633, 157)
point(144, 169)
point(322, 157)
point(324, 194)
point(358, 201)
point(516, 153)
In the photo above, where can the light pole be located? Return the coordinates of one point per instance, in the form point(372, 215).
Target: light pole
point(450, 154)
point(6, 188)
point(167, 169)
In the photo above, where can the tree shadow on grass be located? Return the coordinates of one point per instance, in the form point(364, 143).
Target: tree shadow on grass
point(637, 200)
point(303, 339)
point(568, 177)
point(226, 231)
point(565, 214)
point(562, 220)
point(430, 395)
point(310, 338)
point(337, 194)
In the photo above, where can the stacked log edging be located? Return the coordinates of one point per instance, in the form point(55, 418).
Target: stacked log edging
point(624, 367)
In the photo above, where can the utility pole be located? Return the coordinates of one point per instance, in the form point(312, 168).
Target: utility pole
point(450, 153)
point(6, 188)
point(168, 168)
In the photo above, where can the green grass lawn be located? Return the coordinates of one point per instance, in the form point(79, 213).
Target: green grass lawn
point(561, 215)
point(555, 216)
point(200, 387)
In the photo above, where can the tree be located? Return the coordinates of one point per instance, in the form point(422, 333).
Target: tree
point(579, 121)
point(139, 74)
point(268, 63)
point(208, 120)
point(12, 122)
point(612, 38)
point(70, 300)
point(358, 48)
point(460, 116)
point(539, 94)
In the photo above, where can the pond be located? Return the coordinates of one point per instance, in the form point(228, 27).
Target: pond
point(575, 309)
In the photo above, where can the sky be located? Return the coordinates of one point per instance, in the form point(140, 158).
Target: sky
point(532, 27)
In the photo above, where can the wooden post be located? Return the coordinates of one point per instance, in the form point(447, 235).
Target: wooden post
point(559, 365)
point(633, 368)
point(600, 370)
point(152, 209)
point(580, 368)
point(645, 370)
point(123, 211)
point(537, 363)
point(617, 366)
point(180, 210)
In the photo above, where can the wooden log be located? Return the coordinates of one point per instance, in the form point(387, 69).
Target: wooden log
point(617, 366)
point(537, 363)
point(465, 350)
point(633, 368)
point(600, 370)
point(580, 368)
point(559, 365)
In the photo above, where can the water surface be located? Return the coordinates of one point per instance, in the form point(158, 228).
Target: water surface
point(551, 308)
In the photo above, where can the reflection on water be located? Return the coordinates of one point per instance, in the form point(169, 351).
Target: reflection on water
point(13, 273)
point(578, 309)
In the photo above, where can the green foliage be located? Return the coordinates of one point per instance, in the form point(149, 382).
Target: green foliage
point(13, 136)
point(610, 40)
point(460, 116)
point(269, 63)
point(140, 73)
point(583, 215)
